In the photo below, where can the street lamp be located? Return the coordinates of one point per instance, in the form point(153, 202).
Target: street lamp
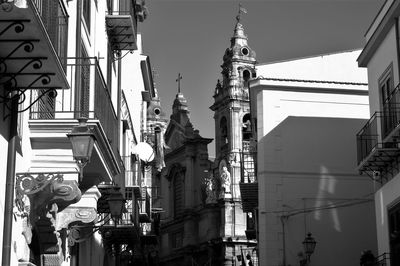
point(82, 140)
point(309, 244)
point(116, 204)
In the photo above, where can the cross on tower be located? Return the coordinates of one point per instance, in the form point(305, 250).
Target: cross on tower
point(179, 82)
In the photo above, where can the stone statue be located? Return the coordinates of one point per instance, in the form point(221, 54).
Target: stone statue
point(211, 198)
point(225, 182)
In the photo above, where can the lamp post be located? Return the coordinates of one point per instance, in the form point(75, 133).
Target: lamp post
point(82, 140)
point(309, 244)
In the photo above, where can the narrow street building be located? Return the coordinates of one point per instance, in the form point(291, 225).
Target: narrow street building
point(63, 89)
point(378, 139)
point(313, 206)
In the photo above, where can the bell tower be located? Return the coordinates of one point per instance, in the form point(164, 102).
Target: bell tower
point(232, 135)
point(231, 98)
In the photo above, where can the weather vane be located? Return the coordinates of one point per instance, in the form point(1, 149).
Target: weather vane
point(179, 82)
point(241, 10)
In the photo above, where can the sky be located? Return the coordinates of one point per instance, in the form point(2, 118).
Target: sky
point(190, 37)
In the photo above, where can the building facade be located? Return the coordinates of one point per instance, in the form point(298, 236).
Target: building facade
point(377, 140)
point(60, 61)
point(305, 113)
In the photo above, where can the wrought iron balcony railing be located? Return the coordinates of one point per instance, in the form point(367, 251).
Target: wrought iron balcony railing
point(382, 260)
point(55, 20)
point(121, 25)
point(248, 178)
point(132, 172)
point(95, 101)
point(368, 137)
point(248, 163)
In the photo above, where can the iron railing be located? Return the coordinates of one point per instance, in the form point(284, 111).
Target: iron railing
point(55, 20)
point(132, 171)
point(94, 101)
point(248, 166)
point(127, 8)
point(378, 132)
point(368, 137)
point(382, 260)
point(131, 213)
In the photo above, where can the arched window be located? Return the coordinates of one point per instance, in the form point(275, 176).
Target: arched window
point(246, 75)
point(223, 126)
point(246, 127)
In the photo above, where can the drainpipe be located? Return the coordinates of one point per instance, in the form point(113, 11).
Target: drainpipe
point(10, 180)
point(78, 59)
point(119, 99)
point(397, 45)
point(283, 240)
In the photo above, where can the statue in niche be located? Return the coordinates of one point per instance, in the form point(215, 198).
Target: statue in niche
point(225, 182)
point(218, 88)
point(210, 190)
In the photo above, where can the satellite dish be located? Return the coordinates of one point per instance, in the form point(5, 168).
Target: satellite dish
point(144, 151)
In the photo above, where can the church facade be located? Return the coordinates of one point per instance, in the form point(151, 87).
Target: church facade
point(203, 222)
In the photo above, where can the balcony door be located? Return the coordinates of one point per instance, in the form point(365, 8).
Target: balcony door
point(389, 101)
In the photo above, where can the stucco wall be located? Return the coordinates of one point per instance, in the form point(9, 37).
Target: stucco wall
point(385, 198)
point(274, 105)
point(306, 172)
point(384, 56)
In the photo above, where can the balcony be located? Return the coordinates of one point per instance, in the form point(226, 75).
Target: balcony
point(144, 215)
point(382, 260)
point(124, 231)
point(33, 46)
point(248, 178)
point(89, 98)
point(377, 145)
point(133, 176)
point(121, 26)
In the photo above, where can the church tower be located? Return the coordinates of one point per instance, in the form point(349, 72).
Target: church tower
point(231, 98)
point(232, 137)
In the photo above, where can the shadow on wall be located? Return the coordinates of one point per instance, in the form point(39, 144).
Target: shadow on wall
point(308, 167)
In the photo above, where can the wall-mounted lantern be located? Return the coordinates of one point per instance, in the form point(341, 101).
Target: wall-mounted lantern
point(82, 140)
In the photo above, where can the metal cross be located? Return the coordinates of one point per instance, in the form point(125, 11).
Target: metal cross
point(179, 82)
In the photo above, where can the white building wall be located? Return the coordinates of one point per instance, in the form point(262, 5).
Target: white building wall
point(306, 171)
point(385, 197)
point(383, 57)
point(307, 156)
point(132, 85)
point(281, 104)
point(340, 66)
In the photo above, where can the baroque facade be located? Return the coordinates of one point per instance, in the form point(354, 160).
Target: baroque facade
point(204, 222)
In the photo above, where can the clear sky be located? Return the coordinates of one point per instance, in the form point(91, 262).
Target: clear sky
point(190, 37)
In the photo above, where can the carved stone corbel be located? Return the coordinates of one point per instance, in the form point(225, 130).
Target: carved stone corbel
point(44, 189)
point(75, 214)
